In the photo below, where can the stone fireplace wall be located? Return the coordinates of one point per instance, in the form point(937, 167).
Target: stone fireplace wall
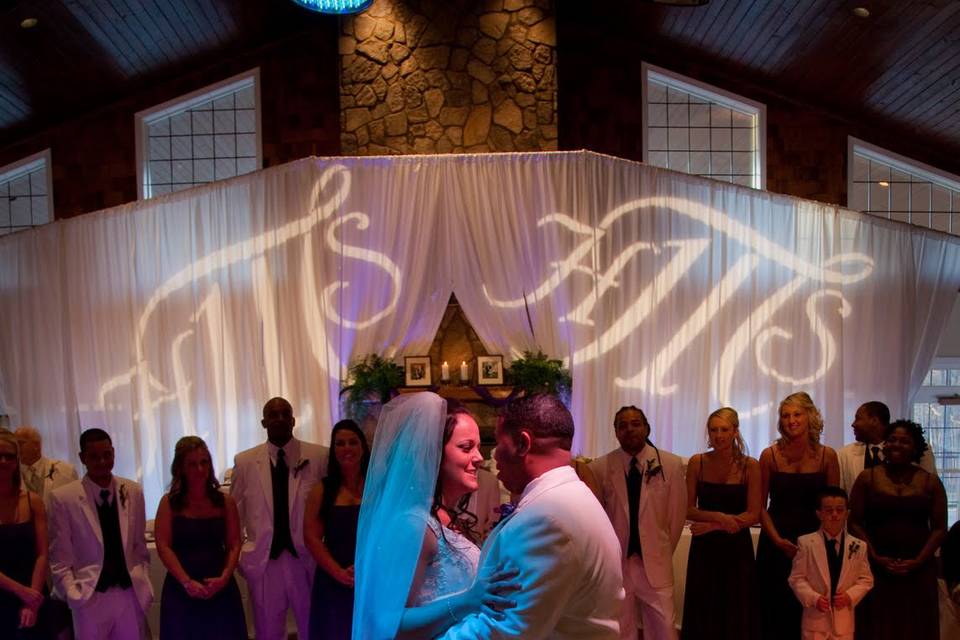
point(448, 76)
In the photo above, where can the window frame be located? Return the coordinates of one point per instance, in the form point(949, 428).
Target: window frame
point(938, 177)
point(143, 119)
point(929, 394)
point(714, 94)
point(12, 171)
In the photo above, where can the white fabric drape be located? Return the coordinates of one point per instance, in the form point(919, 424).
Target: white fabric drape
point(183, 314)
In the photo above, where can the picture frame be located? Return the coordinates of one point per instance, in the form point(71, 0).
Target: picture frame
point(489, 370)
point(417, 371)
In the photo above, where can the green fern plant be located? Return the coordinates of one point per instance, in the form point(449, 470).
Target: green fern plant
point(374, 378)
point(538, 373)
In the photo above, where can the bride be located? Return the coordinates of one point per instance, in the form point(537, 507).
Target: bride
point(415, 572)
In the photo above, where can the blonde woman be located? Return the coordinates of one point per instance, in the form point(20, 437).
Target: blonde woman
point(23, 548)
point(792, 472)
point(723, 501)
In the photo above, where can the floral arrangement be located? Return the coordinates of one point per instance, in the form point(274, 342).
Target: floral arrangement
point(374, 378)
point(538, 373)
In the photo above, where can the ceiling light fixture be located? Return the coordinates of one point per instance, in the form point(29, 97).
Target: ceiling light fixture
point(334, 6)
point(861, 12)
point(883, 183)
point(29, 23)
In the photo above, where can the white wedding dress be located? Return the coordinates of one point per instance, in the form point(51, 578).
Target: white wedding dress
point(452, 569)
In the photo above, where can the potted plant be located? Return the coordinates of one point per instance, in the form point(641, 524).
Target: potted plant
point(538, 373)
point(374, 379)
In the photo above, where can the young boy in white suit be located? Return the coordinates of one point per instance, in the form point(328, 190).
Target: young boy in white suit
point(831, 573)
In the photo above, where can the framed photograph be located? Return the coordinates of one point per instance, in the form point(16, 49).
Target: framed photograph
point(417, 370)
point(490, 369)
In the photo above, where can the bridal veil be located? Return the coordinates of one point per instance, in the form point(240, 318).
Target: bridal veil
point(395, 509)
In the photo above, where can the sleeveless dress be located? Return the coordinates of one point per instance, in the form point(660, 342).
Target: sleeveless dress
point(200, 546)
point(793, 506)
point(452, 569)
point(899, 606)
point(331, 603)
point(18, 555)
point(721, 587)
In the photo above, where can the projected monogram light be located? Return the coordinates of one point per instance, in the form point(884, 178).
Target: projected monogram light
point(210, 321)
point(676, 258)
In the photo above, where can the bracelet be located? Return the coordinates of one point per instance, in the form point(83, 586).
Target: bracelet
point(450, 611)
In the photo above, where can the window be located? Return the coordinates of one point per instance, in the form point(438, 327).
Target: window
point(208, 135)
point(885, 184)
point(941, 425)
point(26, 194)
point(695, 128)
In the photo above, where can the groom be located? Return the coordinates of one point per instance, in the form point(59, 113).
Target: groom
point(558, 537)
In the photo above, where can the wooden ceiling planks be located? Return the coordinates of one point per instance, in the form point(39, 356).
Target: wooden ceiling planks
point(901, 65)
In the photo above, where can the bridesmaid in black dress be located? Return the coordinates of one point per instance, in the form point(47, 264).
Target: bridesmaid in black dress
point(23, 549)
point(330, 532)
point(198, 539)
point(901, 511)
point(723, 493)
point(792, 471)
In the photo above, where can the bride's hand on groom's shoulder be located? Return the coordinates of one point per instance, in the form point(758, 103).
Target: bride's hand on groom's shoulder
point(492, 592)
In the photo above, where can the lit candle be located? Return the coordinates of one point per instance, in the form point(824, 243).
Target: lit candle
point(445, 372)
point(464, 373)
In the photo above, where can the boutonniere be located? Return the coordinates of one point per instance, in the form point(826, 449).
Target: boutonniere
point(123, 496)
point(852, 548)
point(53, 469)
point(654, 470)
point(300, 465)
point(506, 509)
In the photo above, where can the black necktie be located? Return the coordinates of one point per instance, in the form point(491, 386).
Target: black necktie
point(634, 485)
point(834, 562)
point(873, 457)
point(282, 541)
point(105, 497)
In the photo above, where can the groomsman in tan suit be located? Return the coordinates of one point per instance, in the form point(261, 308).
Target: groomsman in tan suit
point(643, 491)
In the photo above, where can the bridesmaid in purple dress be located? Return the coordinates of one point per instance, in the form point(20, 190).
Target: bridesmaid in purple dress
point(330, 532)
point(198, 540)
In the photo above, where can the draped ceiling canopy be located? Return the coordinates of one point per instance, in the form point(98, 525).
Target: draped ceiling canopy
point(183, 314)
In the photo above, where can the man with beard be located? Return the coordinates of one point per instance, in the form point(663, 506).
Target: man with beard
point(643, 491)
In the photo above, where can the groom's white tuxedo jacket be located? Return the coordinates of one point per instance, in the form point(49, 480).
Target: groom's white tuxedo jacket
point(252, 488)
point(76, 541)
point(663, 506)
point(810, 579)
point(569, 562)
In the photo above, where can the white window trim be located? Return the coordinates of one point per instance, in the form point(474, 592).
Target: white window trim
point(855, 146)
point(713, 94)
point(33, 162)
point(143, 119)
point(931, 393)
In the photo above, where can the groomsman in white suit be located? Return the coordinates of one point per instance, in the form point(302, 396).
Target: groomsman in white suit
point(270, 484)
point(831, 572)
point(557, 538)
point(98, 554)
point(643, 491)
point(869, 428)
point(41, 475)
